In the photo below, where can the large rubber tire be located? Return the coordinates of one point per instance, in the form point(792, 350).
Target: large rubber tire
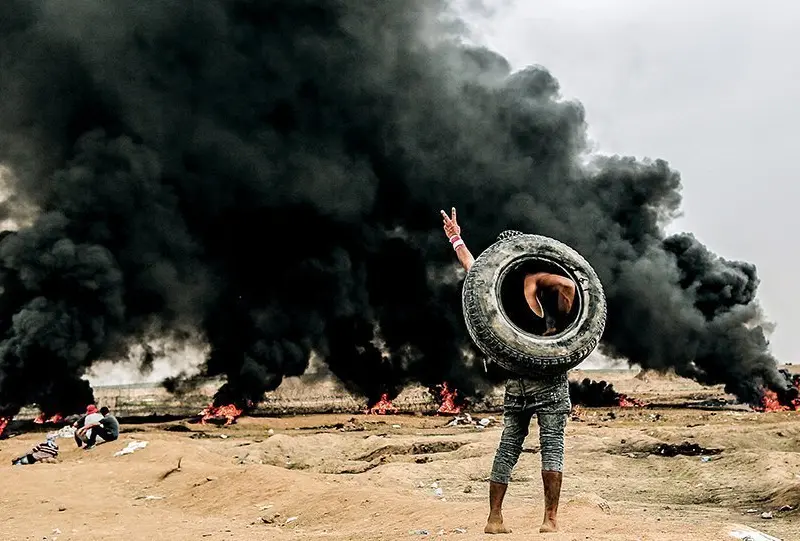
point(506, 344)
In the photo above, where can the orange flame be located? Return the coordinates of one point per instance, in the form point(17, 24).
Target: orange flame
point(383, 406)
point(4, 423)
point(626, 402)
point(57, 418)
point(770, 402)
point(229, 413)
point(448, 400)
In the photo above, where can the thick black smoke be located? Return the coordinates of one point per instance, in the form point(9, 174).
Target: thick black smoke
point(593, 394)
point(268, 174)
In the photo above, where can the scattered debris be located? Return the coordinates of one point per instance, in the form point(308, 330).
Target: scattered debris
point(395, 426)
point(685, 448)
point(459, 530)
point(270, 431)
point(439, 492)
point(270, 519)
point(65, 432)
point(467, 489)
point(752, 535)
point(465, 419)
point(61, 509)
point(291, 519)
point(766, 515)
point(751, 511)
point(419, 532)
point(131, 447)
point(705, 459)
point(149, 498)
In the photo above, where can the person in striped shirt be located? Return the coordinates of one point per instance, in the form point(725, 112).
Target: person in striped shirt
point(42, 452)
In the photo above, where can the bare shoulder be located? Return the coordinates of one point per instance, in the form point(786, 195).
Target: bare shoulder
point(549, 279)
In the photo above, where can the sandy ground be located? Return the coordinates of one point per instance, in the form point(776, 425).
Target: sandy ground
point(360, 477)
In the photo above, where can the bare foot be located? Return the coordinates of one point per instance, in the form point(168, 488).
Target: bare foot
point(548, 526)
point(496, 526)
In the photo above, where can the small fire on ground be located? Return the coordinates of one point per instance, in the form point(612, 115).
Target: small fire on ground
point(382, 406)
point(627, 402)
point(41, 419)
point(229, 413)
point(448, 397)
point(4, 423)
point(788, 401)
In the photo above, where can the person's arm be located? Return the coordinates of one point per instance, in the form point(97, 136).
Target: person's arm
point(453, 232)
point(564, 286)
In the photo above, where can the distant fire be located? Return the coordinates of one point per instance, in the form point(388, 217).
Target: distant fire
point(229, 413)
point(625, 401)
point(41, 419)
point(382, 406)
point(785, 401)
point(448, 400)
point(4, 423)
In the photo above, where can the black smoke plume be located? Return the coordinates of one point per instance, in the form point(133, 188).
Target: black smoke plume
point(268, 175)
point(593, 393)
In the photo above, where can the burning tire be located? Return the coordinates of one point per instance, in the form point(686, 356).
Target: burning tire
point(491, 301)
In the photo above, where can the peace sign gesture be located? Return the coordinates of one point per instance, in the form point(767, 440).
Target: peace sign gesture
point(451, 226)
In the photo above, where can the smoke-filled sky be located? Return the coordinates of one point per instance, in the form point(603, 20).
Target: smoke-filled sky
point(265, 178)
point(709, 86)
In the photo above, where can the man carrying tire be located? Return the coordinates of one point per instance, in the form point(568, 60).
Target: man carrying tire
point(549, 297)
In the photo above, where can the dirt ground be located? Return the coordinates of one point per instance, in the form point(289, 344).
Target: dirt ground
point(361, 477)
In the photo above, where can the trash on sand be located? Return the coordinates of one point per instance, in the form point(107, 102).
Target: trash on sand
point(439, 492)
point(434, 485)
point(766, 514)
point(223, 436)
point(418, 532)
point(291, 519)
point(752, 511)
point(65, 432)
point(685, 448)
point(270, 431)
point(459, 530)
point(131, 447)
point(465, 419)
point(752, 535)
point(705, 459)
point(786, 508)
point(149, 497)
point(395, 426)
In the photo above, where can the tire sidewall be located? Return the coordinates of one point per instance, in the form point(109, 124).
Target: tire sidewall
point(507, 345)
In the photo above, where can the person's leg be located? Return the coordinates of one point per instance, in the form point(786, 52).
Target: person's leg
point(78, 440)
point(516, 429)
point(95, 432)
point(551, 441)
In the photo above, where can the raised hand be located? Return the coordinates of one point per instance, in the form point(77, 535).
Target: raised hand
point(451, 226)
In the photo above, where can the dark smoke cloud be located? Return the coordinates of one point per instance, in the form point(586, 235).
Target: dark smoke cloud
point(268, 174)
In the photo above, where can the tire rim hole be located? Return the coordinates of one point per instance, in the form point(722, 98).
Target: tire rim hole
point(510, 290)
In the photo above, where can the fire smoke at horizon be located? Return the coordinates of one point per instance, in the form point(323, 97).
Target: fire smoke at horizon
point(267, 176)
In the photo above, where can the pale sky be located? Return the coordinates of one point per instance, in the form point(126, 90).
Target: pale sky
point(712, 87)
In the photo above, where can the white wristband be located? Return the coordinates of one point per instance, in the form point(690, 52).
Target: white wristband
point(458, 243)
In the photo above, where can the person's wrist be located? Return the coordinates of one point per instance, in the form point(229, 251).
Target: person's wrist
point(456, 241)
